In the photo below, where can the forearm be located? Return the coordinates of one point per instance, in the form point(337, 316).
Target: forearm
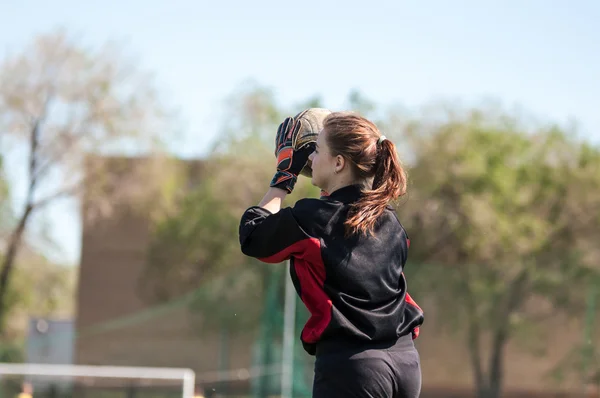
point(273, 199)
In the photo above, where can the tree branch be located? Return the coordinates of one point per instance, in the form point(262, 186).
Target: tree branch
point(17, 235)
point(64, 149)
point(34, 142)
point(501, 333)
point(63, 193)
point(474, 335)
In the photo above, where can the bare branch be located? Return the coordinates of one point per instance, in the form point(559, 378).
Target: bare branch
point(63, 193)
point(62, 148)
point(33, 154)
point(474, 337)
point(63, 101)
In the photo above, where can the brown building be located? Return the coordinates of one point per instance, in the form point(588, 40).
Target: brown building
point(116, 327)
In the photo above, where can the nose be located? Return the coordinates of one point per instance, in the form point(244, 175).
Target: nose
point(311, 156)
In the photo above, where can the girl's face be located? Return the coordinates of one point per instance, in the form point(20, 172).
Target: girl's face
point(323, 164)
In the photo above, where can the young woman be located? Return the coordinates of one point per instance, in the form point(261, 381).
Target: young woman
point(347, 252)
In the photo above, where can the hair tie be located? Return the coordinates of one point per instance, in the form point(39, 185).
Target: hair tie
point(381, 139)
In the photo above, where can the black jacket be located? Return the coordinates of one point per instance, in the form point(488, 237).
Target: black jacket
point(354, 288)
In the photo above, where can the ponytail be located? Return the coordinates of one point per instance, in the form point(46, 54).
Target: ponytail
point(372, 158)
point(389, 183)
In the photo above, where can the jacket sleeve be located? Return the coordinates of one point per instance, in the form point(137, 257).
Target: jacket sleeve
point(273, 237)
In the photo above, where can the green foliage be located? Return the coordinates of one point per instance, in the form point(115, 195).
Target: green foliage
point(44, 288)
point(503, 221)
point(38, 288)
point(357, 102)
point(5, 209)
point(11, 352)
point(313, 102)
point(196, 248)
point(251, 116)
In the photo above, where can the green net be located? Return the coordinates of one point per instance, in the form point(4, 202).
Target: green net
point(268, 348)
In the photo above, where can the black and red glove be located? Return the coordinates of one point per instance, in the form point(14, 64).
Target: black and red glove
point(290, 161)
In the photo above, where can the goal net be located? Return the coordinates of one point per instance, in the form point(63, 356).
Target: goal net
point(76, 381)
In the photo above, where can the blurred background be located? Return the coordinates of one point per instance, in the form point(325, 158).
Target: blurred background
point(134, 134)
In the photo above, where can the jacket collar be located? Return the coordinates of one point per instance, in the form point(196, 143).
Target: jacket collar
point(347, 194)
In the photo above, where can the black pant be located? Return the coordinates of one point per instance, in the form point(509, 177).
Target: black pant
point(382, 370)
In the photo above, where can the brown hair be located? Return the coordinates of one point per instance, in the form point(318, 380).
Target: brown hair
point(357, 140)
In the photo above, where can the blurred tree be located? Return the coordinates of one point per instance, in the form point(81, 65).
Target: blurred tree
point(506, 229)
point(199, 242)
point(315, 101)
point(358, 102)
point(60, 102)
point(39, 288)
point(250, 115)
point(5, 208)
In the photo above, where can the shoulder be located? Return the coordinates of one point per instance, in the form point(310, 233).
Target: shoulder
point(308, 205)
point(314, 214)
point(315, 207)
point(393, 214)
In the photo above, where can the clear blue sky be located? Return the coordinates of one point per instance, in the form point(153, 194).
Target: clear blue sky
point(542, 55)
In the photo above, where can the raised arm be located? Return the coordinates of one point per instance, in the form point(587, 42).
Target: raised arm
point(266, 231)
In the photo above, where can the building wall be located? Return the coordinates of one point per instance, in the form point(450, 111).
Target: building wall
point(115, 326)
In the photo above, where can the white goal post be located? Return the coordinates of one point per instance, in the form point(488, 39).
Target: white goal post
point(187, 376)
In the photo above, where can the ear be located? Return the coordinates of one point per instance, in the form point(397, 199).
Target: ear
point(340, 163)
